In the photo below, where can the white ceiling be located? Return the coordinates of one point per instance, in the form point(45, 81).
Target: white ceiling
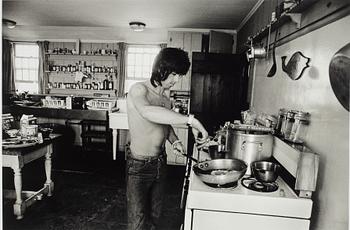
point(109, 19)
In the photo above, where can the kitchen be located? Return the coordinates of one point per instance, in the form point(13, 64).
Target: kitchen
point(317, 29)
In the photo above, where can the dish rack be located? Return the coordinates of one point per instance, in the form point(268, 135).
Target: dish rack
point(53, 103)
point(101, 104)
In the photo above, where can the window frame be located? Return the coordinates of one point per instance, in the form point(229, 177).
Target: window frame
point(127, 78)
point(29, 68)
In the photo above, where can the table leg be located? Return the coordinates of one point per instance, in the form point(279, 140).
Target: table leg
point(19, 206)
point(48, 165)
point(115, 136)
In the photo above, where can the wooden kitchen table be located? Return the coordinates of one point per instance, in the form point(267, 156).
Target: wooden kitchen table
point(16, 158)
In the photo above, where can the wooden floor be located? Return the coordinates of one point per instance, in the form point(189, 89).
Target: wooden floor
point(89, 194)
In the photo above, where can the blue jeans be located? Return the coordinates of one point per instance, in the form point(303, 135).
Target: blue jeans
point(144, 190)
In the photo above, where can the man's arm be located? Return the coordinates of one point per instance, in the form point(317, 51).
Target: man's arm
point(158, 114)
point(172, 137)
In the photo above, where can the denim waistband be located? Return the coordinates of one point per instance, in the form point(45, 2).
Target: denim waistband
point(147, 158)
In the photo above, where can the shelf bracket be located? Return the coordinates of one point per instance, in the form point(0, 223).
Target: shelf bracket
point(296, 18)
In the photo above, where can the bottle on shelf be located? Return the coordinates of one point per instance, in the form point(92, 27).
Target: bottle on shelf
point(105, 83)
point(110, 83)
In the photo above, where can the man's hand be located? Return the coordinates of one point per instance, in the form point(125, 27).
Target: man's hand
point(200, 140)
point(178, 148)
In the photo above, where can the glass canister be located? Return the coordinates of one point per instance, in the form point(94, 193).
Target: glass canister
point(287, 124)
point(280, 117)
point(299, 128)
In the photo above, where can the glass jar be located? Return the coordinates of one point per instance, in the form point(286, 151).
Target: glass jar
point(299, 129)
point(287, 124)
point(280, 117)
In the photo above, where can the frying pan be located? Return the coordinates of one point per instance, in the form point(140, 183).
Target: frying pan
point(339, 75)
point(219, 171)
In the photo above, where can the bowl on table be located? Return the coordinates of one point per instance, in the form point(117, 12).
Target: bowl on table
point(45, 132)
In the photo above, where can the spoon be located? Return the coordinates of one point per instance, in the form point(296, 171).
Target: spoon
point(273, 69)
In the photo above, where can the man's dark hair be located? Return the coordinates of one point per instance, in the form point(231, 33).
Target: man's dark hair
point(169, 60)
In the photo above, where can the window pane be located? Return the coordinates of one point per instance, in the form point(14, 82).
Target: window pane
point(138, 59)
point(33, 63)
point(18, 74)
point(25, 64)
point(131, 70)
point(26, 75)
point(18, 62)
point(146, 60)
point(131, 59)
point(138, 71)
point(26, 50)
point(33, 75)
point(139, 62)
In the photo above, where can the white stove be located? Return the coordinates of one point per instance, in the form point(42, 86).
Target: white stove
point(242, 208)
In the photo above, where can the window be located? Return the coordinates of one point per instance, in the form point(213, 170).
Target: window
point(26, 67)
point(139, 62)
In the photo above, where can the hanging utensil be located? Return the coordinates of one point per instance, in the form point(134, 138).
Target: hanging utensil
point(339, 75)
point(273, 69)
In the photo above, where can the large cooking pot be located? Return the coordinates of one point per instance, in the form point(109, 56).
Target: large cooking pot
point(220, 171)
point(249, 146)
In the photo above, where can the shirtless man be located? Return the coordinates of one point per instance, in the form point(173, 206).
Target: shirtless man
point(150, 119)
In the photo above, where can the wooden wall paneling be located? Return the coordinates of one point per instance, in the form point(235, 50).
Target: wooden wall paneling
point(260, 18)
point(176, 39)
point(85, 46)
point(196, 42)
point(220, 42)
point(96, 46)
point(185, 81)
point(197, 99)
point(69, 45)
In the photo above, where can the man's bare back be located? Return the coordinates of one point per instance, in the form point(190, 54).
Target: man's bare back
point(147, 138)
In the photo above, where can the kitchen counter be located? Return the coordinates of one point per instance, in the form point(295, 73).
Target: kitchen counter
point(39, 111)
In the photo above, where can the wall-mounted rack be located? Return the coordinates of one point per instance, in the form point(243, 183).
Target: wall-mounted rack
point(293, 14)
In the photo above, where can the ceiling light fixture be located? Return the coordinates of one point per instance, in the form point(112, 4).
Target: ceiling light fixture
point(137, 26)
point(9, 23)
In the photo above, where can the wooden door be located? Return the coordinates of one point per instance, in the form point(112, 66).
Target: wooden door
point(218, 88)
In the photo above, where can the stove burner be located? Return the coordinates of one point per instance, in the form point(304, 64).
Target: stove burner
point(252, 184)
point(228, 185)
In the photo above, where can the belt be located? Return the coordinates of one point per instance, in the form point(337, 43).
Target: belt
point(146, 158)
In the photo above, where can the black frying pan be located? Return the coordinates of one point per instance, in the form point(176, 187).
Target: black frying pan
point(339, 75)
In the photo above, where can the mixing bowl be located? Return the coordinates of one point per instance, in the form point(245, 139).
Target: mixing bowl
point(265, 171)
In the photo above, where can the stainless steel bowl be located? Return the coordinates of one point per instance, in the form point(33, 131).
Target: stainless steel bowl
point(265, 171)
point(220, 171)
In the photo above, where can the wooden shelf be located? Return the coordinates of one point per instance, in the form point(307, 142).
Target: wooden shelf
point(294, 14)
point(66, 72)
point(83, 92)
point(84, 55)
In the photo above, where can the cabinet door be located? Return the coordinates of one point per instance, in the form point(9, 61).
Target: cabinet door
point(188, 41)
point(220, 42)
point(172, 158)
point(176, 39)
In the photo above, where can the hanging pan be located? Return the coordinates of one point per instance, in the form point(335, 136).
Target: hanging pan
point(339, 75)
